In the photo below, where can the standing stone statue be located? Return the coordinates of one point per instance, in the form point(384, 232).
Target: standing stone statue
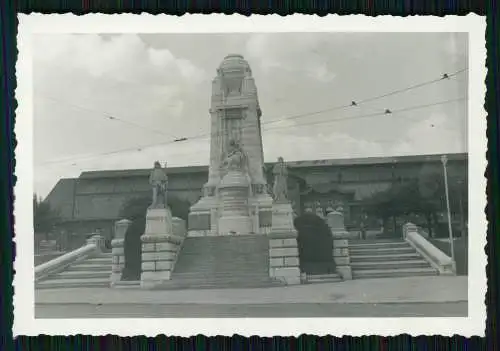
point(158, 180)
point(280, 188)
point(235, 158)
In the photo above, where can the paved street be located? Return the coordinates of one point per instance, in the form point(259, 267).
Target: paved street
point(454, 309)
point(401, 290)
point(404, 297)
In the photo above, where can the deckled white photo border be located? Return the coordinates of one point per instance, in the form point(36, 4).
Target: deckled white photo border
point(26, 324)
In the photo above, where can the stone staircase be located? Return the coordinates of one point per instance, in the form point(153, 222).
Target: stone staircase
point(386, 258)
point(90, 273)
point(323, 278)
point(223, 262)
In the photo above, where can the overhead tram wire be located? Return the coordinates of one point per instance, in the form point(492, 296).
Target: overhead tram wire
point(110, 117)
point(369, 115)
point(384, 113)
point(353, 103)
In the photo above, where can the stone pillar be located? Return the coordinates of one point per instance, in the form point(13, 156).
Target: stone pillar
point(335, 221)
point(118, 255)
point(159, 248)
point(99, 241)
point(283, 250)
point(341, 258)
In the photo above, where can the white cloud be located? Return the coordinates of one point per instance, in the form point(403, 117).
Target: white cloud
point(433, 135)
point(121, 56)
point(271, 53)
point(328, 145)
point(161, 83)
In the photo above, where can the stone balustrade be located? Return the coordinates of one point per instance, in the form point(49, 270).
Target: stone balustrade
point(341, 258)
point(284, 258)
point(437, 258)
point(283, 249)
point(93, 247)
point(117, 250)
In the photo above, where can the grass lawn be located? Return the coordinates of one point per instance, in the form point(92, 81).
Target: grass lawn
point(461, 256)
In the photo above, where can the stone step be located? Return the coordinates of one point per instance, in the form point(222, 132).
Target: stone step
point(90, 267)
point(323, 278)
point(375, 241)
point(99, 260)
point(83, 275)
point(381, 251)
point(72, 283)
point(322, 281)
point(218, 284)
point(392, 273)
point(375, 245)
point(221, 270)
point(220, 275)
point(225, 259)
point(382, 257)
point(390, 264)
point(226, 255)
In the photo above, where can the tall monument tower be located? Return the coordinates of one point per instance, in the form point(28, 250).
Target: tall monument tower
point(236, 190)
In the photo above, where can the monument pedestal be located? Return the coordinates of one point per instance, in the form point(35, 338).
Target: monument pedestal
point(235, 217)
point(202, 217)
point(284, 262)
point(159, 248)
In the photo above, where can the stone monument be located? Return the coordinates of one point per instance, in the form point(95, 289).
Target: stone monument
point(159, 244)
point(283, 250)
point(234, 200)
point(234, 190)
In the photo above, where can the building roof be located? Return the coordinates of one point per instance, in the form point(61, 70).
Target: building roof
point(75, 200)
point(61, 197)
point(293, 164)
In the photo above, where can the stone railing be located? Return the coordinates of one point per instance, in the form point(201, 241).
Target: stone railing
point(284, 262)
point(341, 258)
point(180, 230)
point(437, 258)
point(117, 250)
point(284, 258)
point(93, 247)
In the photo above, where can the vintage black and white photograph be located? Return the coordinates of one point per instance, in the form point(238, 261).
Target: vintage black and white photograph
point(270, 174)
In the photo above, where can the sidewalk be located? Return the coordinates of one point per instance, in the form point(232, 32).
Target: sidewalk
point(394, 290)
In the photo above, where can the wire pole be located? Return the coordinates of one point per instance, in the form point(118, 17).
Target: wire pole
point(444, 161)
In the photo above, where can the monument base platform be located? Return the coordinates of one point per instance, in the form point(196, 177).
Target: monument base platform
point(235, 225)
point(159, 248)
point(284, 262)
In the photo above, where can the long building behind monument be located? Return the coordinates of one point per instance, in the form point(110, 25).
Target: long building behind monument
point(93, 200)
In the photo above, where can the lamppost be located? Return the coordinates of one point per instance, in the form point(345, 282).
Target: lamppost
point(444, 161)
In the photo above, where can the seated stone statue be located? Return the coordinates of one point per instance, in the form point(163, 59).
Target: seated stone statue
point(235, 158)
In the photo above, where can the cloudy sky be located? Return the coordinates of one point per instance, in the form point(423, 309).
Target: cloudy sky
point(115, 101)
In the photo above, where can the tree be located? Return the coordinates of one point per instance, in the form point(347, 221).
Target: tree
point(138, 206)
point(135, 210)
point(402, 200)
point(44, 217)
point(421, 196)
